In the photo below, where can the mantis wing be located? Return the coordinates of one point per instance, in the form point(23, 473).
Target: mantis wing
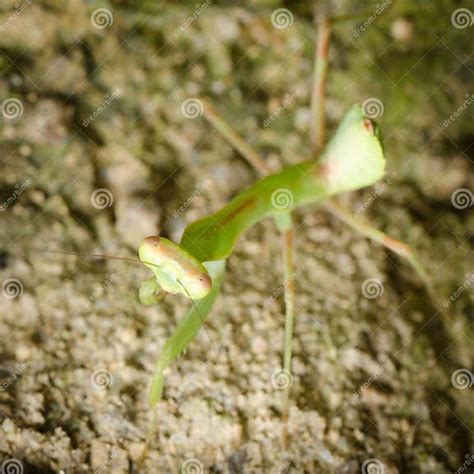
point(187, 329)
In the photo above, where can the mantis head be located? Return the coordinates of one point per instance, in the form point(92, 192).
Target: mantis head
point(175, 271)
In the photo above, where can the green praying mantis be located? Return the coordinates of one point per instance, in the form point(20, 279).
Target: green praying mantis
point(194, 268)
point(353, 159)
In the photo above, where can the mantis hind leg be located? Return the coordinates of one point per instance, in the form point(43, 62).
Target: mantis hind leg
point(318, 135)
point(284, 378)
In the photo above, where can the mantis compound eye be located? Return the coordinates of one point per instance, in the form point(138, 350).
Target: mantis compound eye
point(152, 242)
point(369, 125)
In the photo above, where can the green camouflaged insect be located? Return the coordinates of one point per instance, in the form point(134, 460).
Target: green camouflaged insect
point(353, 159)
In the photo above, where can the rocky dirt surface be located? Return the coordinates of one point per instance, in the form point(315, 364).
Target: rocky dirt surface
point(99, 149)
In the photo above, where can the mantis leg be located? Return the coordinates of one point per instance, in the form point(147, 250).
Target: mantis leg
point(284, 223)
point(289, 295)
point(318, 128)
point(235, 140)
point(401, 249)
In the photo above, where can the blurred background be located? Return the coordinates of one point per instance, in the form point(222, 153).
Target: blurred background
point(103, 143)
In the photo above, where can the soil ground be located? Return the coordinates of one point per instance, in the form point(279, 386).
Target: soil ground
point(96, 154)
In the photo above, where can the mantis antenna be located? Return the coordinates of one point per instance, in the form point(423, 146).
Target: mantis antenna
point(89, 255)
point(150, 289)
